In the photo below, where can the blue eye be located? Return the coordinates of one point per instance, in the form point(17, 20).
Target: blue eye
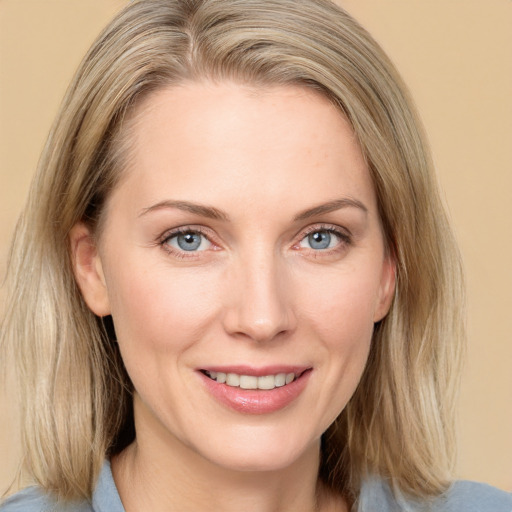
point(320, 239)
point(189, 241)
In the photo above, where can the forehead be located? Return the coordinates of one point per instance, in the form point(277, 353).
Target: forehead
point(257, 143)
point(197, 110)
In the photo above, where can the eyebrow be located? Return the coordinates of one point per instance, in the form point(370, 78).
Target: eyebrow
point(214, 213)
point(198, 209)
point(331, 206)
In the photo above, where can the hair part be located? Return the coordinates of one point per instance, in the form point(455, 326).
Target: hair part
point(76, 395)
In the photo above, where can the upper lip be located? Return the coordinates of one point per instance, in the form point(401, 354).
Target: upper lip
point(257, 371)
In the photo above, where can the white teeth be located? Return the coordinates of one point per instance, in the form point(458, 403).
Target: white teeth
point(232, 379)
point(248, 382)
point(280, 379)
point(251, 382)
point(267, 382)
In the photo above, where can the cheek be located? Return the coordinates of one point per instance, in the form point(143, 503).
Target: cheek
point(346, 326)
point(340, 309)
point(158, 310)
point(341, 304)
point(158, 315)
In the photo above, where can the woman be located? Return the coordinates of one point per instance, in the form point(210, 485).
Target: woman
point(234, 284)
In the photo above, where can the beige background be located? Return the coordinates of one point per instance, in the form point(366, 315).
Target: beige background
point(456, 57)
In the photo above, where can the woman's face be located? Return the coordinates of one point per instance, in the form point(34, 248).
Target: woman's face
point(243, 244)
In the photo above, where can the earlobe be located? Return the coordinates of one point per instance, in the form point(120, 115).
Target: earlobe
point(387, 289)
point(88, 269)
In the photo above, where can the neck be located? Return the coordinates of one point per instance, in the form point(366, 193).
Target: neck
point(157, 472)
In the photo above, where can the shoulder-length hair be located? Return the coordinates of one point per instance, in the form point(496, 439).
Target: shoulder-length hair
point(76, 393)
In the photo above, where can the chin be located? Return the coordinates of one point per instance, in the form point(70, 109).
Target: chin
point(254, 452)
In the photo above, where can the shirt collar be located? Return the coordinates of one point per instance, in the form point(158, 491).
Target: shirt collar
point(105, 497)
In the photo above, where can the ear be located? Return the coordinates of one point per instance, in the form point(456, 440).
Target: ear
point(386, 288)
point(88, 269)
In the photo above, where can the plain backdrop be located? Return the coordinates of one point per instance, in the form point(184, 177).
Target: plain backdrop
point(456, 57)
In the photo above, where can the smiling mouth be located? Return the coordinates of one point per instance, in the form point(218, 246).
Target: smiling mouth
point(263, 382)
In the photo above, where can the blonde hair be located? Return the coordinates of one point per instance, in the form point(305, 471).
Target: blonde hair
point(76, 393)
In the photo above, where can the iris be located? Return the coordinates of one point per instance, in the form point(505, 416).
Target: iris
point(189, 241)
point(319, 240)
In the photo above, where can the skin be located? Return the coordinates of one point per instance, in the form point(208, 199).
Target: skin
point(256, 292)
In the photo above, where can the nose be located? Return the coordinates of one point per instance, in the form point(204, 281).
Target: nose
point(260, 305)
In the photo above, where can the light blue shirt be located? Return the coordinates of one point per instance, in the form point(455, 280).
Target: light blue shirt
point(376, 496)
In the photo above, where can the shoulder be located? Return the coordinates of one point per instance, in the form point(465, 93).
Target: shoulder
point(463, 496)
point(33, 499)
point(467, 496)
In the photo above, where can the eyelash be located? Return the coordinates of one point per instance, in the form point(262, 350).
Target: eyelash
point(345, 240)
point(168, 235)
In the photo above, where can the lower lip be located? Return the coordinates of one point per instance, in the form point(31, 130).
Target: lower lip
point(256, 401)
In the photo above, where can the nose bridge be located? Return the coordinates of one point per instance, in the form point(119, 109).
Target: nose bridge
point(261, 305)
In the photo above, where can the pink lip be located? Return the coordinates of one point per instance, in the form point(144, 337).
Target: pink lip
point(256, 401)
point(257, 372)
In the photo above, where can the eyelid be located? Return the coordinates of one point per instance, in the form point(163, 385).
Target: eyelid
point(344, 235)
point(174, 241)
point(163, 239)
point(169, 233)
point(332, 228)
